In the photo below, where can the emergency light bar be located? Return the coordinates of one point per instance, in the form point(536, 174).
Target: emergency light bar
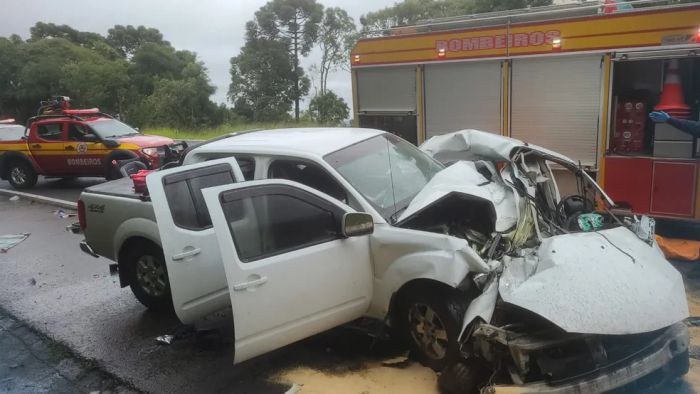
point(81, 111)
point(7, 121)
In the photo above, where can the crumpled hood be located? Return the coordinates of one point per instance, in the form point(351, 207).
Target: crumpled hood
point(146, 140)
point(462, 177)
point(478, 145)
point(584, 284)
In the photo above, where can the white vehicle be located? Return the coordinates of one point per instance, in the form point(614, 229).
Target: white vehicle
point(302, 230)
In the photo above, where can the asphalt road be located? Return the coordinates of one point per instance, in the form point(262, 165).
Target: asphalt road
point(47, 282)
point(65, 189)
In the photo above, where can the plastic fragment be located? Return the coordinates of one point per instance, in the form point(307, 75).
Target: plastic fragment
point(165, 339)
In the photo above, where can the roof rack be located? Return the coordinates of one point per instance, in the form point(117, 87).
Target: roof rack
point(531, 14)
point(63, 115)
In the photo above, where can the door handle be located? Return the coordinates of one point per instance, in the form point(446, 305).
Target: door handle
point(69, 147)
point(36, 146)
point(186, 254)
point(261, 280)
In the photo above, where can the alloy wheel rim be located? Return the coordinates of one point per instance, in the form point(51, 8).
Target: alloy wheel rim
point(151, 276)
point(428, 331)
point(18, 176)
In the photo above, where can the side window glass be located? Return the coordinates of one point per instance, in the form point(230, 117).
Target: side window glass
point(50, 131)
point(264, 225)
point(183, 192)
point(247, 165)
point(307, 174)
point(77, 132)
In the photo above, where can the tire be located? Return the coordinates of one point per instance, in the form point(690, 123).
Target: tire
point(148, 277)
point(21, 175)
point(430, 321)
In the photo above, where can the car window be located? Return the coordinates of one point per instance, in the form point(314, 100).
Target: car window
point(183, 191)
point(282, 220)
point(77, 132)
point(308, 174)
point(50, 131)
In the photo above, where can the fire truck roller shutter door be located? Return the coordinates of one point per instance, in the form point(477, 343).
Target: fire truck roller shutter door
point(556, 104)
point(387, 89)
point(461, 96)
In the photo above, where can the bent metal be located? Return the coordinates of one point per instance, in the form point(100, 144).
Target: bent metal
point(498, 41)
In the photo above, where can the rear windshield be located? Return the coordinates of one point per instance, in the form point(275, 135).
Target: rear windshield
point(11, 132)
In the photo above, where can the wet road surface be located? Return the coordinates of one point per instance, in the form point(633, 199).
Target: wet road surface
point(47, 282)
point(65, 189)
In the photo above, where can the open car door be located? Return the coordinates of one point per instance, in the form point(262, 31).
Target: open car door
point(191, 251)
point(291, 271)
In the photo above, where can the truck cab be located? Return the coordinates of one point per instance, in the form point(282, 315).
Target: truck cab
point(75, 143)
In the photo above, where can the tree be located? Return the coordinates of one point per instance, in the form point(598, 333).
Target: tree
point(128, 39)
point(411, 11)
point(294, 23)
point(328, 108)
point(263, 78)
point(337, 34)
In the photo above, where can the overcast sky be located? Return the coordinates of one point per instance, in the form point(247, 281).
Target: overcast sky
point(215, 29)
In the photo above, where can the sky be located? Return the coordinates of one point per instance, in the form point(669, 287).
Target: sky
point(215, 29)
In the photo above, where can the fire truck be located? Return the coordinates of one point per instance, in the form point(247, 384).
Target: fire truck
point(579, 79)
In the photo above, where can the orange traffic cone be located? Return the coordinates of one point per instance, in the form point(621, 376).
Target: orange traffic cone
point(672, 100)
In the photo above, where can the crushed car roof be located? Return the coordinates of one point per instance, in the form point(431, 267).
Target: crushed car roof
point(319, 141)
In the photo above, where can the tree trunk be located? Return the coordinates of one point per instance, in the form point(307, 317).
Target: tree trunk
point(296, 70)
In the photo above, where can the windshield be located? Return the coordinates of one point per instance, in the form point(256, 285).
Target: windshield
point(11, 132)
point(110, 128)
point(386, 170)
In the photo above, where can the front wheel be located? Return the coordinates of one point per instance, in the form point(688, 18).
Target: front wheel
point(21, 175)
point(148, 278)
point(431, 321)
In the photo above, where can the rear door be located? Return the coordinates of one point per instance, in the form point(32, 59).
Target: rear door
point(195, 271)
point(290, 272)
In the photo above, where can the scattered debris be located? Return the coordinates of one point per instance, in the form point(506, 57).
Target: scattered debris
point(63, 214)
point(32, 282)
point(694, 352)
point(693, 321)
point(165, 339)
point(14, 198)
point(9, 241)
point(400, 362)
point(294, 389)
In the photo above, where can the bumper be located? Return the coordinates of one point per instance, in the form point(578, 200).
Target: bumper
point(657, 355)
point(87, 249)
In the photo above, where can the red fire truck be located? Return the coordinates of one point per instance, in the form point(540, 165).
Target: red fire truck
point(579, 79)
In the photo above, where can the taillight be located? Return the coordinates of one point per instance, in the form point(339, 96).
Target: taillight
point(81, 215)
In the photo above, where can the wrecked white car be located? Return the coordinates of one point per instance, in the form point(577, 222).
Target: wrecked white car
point(464, 248)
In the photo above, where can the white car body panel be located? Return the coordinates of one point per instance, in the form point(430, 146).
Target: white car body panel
point(606, 282)
point(301, 292)
point(197, 280)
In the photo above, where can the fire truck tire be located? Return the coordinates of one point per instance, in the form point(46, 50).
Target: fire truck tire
point(148, 276)
point(21, 175)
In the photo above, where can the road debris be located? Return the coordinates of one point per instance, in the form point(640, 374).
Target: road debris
point(14, 198)
point(165, 339)
point(63, 214)
point(9, 241)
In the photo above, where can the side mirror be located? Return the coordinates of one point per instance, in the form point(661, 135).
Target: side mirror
point(355, 224)
point(111, 143)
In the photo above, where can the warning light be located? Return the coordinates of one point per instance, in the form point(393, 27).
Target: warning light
point(556, 44)
point(7, 121)
point(697, 36)
point(356, 59)
point(441, 53)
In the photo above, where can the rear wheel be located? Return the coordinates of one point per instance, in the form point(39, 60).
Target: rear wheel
point(148, 277)
point(21, 175)
point(431, 321)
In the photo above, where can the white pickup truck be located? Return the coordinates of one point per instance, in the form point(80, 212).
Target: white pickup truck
point(482, 261)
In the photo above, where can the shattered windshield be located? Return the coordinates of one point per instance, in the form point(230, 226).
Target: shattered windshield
point(111, 128)
point(386, 170)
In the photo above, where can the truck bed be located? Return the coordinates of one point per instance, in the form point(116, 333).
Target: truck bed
point(122, 187)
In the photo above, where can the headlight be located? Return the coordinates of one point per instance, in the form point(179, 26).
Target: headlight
point(150, 151)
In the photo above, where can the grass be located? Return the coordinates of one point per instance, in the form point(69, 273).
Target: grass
point(204, 134)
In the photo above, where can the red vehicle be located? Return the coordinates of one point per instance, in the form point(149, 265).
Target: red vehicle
point(63, 142)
